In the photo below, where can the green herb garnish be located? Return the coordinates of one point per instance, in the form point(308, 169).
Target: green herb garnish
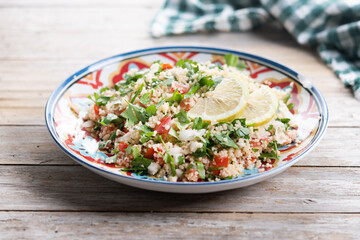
point(173, 133)
point(135, 114)
point(201, 169)
point(176, 97)
point(168, 158)
point(145, 99)
point(182, 117)
point(138, 91)
point(100, 100)
point(111, 118)
point(200, 124)
point(233, 61)
point(290, 106)
point(225, 141)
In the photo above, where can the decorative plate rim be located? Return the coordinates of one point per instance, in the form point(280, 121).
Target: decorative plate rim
point(304, 82)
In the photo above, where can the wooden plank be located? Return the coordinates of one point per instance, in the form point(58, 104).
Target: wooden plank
point(22, 115)
point(73, 188)
point(30, 145)
point(80, 3)
point(337, 148)
point(59, 225)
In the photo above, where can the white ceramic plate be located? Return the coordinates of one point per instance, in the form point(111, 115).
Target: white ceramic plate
point(310, 110)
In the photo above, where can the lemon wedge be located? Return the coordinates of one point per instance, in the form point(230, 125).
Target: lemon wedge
point(227, 101)
point(261, 106)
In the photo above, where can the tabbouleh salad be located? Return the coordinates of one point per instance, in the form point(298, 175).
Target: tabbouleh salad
point(191, 121)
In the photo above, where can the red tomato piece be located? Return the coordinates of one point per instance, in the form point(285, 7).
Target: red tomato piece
point(123, 146)
point(180, 87)
point(259, 143)
point(96, 109)
point(164, 125)
point(185, 103)
point(150, 154)
point(166, 66)
point(124, 129)
point(219, 162)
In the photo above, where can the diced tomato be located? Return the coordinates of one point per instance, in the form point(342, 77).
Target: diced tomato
point(123, 146)
point(180, 87)
point(151, 152)
point(166, 66)
point(185, 103)
point(259, 143)
point(96, 109)
point(164, 125)
point(219, 162)
point(124, 129)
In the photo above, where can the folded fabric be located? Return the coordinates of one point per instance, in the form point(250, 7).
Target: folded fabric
point(332, 27)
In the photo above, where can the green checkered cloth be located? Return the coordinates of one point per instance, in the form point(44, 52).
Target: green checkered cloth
point(330, 26)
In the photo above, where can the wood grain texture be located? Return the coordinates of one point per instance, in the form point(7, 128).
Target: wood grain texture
point(73, 188)
point(46, 195)
point(55, 225)
point(338, 148)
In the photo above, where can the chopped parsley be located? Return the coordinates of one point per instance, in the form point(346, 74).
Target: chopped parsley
point(287, 97)
point(113, 135)
point(200, 124)
point(140, 163)
point(285, 121)
point(206, 81)
point(273, 154)
point(135, 114)
point(100, 100)
point(151, 110)
point(225, 141)
point(201, 169)
point(270, 128)
point(181, 160)
point(182, 117)
point(233, 61)
point(173, 133)
point(193, 89)
point(290, 106)
point(111, 118)
point(243, 132)
point(189, 65)
point(138, 91)
point(146, 133)
point(176, 97)
point(168, 158)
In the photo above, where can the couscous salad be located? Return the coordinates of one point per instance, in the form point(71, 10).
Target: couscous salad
point(191, 121)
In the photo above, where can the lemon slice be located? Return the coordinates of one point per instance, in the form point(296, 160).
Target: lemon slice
point(227, 101)
point(261, 106)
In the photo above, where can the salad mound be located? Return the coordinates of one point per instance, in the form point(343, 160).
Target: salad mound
point(191, 121)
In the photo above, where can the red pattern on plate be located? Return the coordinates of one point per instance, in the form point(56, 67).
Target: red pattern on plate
point(256, 69)
point(89, 79)
point(125, 68)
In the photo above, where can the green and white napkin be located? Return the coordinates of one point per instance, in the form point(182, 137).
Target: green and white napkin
point(332, 27)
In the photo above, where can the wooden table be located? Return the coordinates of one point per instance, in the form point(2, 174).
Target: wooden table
point(46, 195)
